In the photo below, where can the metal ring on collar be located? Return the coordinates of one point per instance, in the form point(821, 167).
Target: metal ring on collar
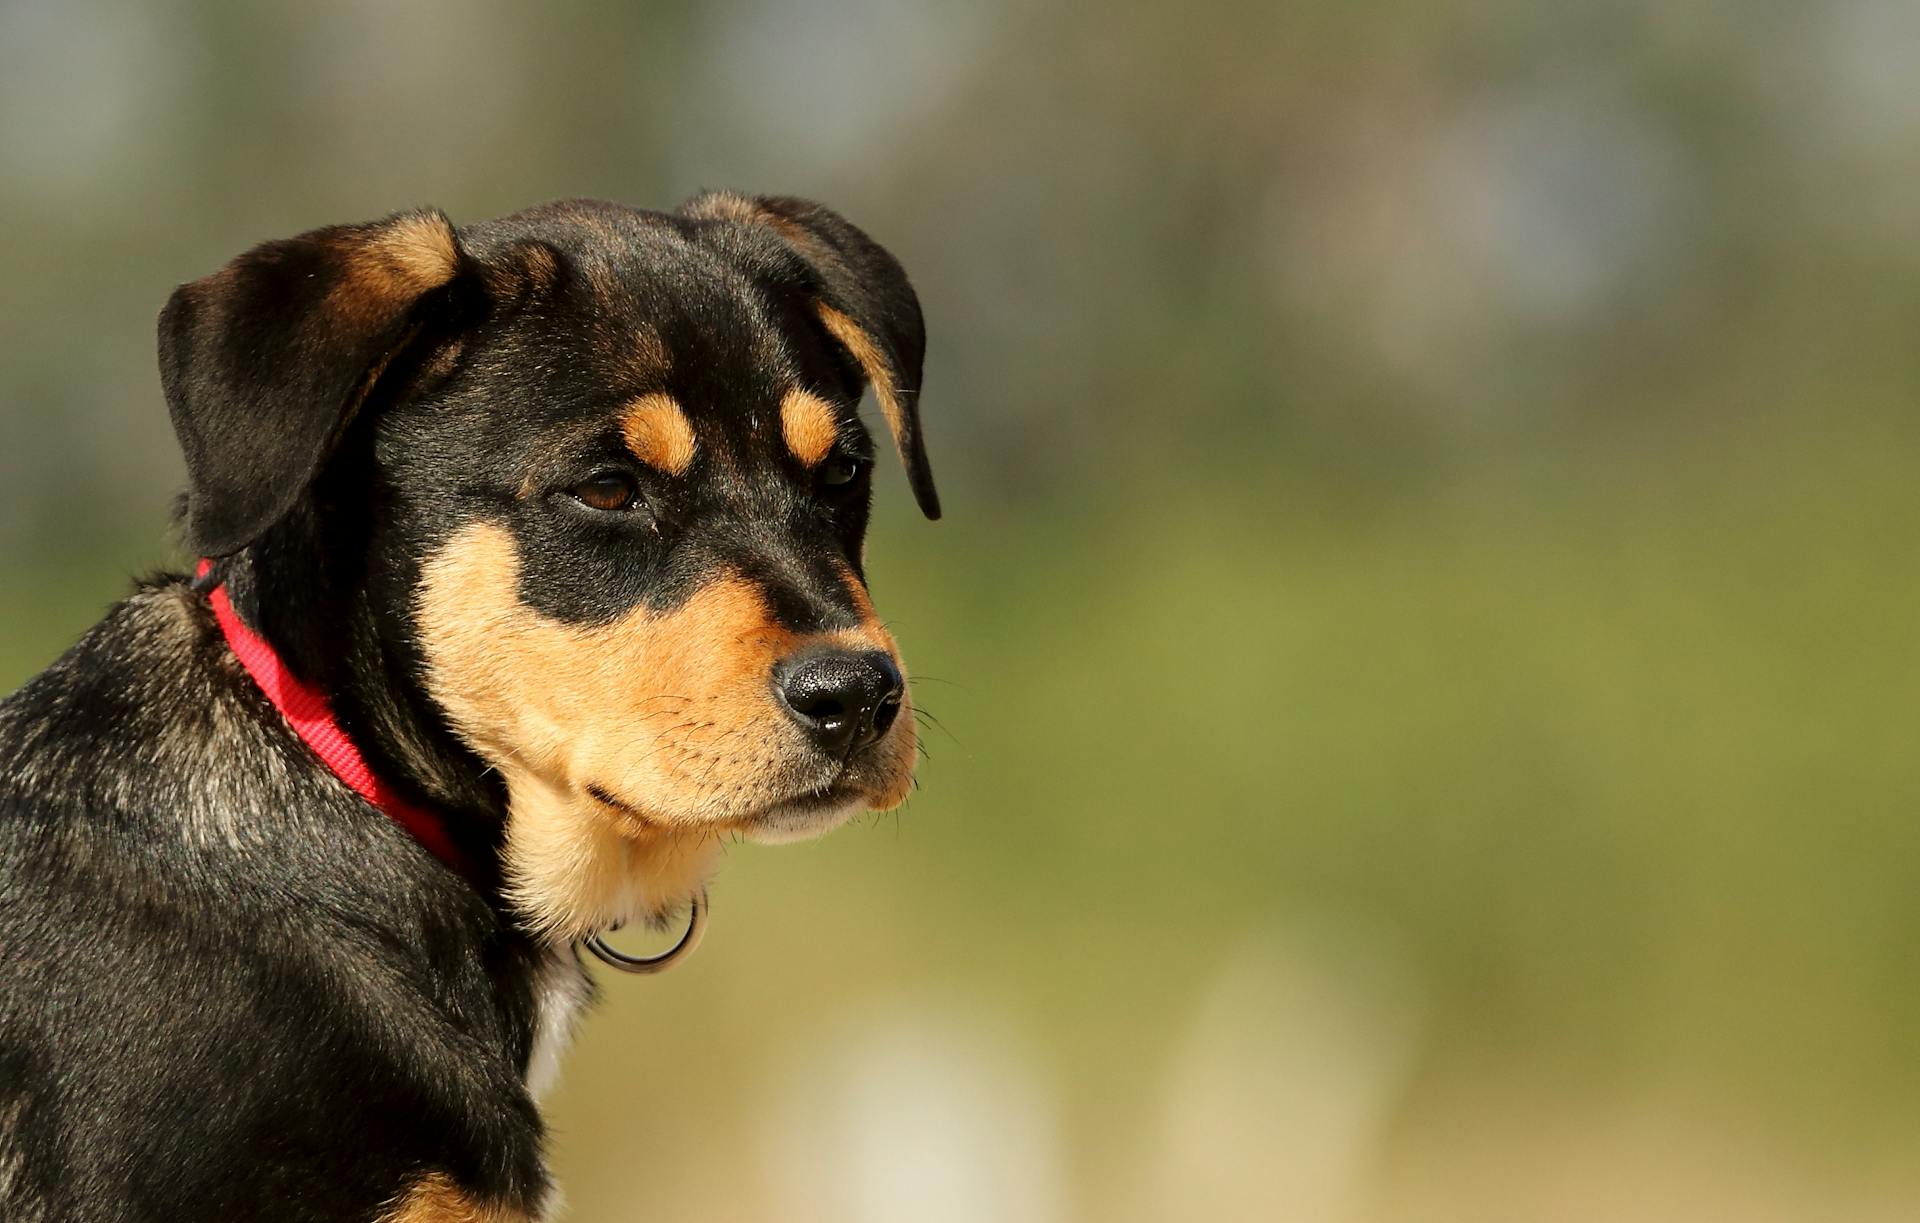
point(696, 927)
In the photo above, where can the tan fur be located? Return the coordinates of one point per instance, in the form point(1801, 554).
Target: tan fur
point(421, 251)
point(383, 272)
point(658, 434)
point(872, 362)
point(434, 1198)
point(726, 206)
point(810, 426)
point(382, 277)
point(670, 714)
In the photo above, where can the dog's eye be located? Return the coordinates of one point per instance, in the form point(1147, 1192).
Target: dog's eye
point(838, 472)
point(607, 491)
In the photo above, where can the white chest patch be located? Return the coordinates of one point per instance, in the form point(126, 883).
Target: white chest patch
point(560, 994)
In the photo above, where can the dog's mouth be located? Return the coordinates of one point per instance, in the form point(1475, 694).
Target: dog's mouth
point(805, 816)
point(798, 817)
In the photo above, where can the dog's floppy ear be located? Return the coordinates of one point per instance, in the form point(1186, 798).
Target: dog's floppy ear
point(265, 361)
point(864, 301)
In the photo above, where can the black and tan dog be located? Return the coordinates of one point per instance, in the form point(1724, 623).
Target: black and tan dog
point(536, 573)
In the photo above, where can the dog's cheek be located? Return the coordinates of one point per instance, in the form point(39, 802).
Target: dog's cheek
point(701, 738)
point(547, 705)
point(673, 712)
point(485, 654)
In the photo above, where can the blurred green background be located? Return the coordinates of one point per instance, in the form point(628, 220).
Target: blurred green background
point(1424, 631)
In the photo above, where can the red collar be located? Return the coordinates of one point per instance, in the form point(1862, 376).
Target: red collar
point(309, 713)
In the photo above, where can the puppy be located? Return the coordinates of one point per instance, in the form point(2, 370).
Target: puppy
point(533, 574)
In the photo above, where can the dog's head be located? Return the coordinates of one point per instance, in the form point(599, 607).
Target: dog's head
point(607, 474)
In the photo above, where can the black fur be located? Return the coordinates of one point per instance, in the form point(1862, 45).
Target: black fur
point(232, 989)
point(229, 988)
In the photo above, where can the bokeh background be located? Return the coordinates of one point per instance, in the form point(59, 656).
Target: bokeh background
point(1424, 633)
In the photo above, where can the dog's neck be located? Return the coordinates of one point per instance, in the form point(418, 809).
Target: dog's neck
point(344, 627)
point(319, 613)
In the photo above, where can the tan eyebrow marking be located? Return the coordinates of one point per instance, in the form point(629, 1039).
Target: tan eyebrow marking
point(810, 426)
point(657, 432)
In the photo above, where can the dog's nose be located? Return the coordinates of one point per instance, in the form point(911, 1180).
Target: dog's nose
point(845, 699)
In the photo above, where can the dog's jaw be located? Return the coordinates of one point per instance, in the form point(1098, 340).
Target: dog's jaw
point(574, 869)
point(792, 822)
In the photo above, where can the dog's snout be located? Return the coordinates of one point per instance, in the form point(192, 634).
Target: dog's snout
point(844, 699)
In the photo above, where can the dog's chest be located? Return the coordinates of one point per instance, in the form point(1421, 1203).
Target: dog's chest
point(561, 993)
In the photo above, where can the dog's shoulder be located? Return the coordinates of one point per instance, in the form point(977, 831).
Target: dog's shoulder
point(213, 950)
